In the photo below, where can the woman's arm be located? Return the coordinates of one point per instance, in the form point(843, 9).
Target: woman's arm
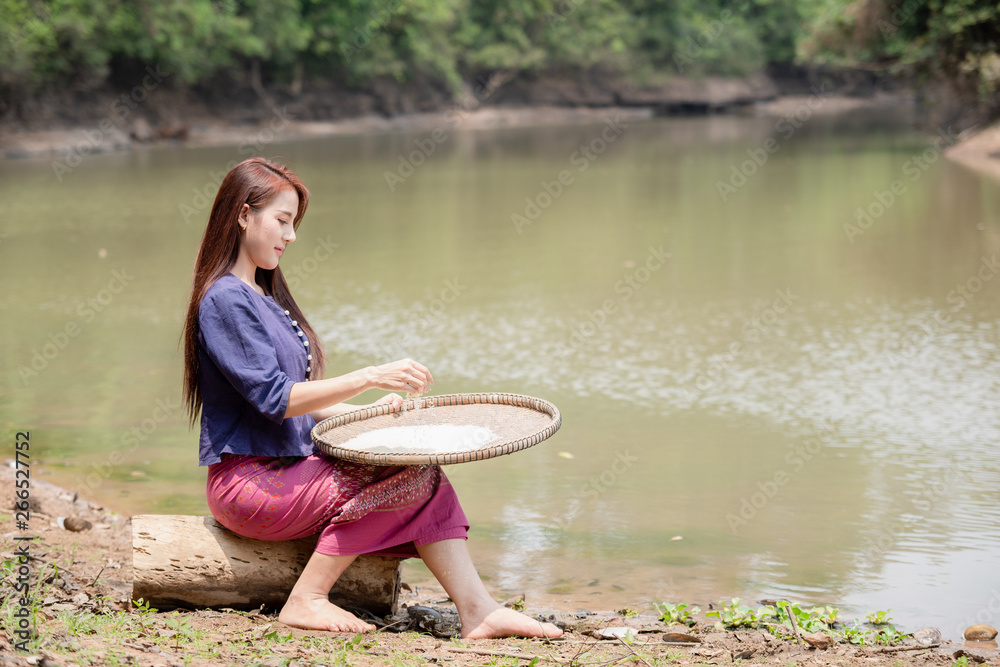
point(318, 396)
point(340, 408)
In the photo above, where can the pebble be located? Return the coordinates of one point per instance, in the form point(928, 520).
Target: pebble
point(818, 640)
point(620, 632)
point(980, 632)
point(73, 524)
point(927, 636)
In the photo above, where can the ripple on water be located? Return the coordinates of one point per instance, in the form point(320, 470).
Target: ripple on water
point(914, 391)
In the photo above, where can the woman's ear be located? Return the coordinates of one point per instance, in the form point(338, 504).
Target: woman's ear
point(244, 218)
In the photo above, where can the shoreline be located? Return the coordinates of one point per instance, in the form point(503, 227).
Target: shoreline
point(93, 582)
point(69, 144)
point(979, 150)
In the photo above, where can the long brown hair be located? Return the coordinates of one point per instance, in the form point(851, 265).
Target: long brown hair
point(255, 182)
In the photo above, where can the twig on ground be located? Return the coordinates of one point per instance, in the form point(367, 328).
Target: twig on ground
point(795, 627)
point(896, 649)
point(639, 657)
point(503, 654)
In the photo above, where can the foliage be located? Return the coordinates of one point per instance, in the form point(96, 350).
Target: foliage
point(83, 43)
point(816, 619)
point(879, 617)
point(954, 38)
point(735, 615)
point(673, 614)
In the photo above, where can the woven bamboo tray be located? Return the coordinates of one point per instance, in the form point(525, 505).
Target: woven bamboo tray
point(518, 421)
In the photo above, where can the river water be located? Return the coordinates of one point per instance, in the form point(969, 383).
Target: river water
point(806, 397)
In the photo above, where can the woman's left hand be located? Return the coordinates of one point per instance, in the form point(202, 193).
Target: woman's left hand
point(393, 399)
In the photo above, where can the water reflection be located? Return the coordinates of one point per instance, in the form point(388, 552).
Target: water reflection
point(811, 410)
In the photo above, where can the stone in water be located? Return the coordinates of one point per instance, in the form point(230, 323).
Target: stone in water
point(980, 632)
point(422, 439)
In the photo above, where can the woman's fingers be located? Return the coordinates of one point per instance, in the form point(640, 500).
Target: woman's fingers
point(407, 375)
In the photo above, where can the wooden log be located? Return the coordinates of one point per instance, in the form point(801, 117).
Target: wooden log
point(193, 562)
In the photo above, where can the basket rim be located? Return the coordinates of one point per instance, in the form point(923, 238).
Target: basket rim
point(429, 403)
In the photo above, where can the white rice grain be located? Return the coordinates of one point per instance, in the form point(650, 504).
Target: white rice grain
point(424, 439)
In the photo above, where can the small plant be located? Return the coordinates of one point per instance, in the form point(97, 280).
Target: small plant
point(889, 636)
point(628, 612)
point(734, 615)
point(879, 617)
point(181, 627)
point(275, 637)
point(817, 619)
point(962, 661)
point(673, 614)
point(826, 614)
point(854, 634)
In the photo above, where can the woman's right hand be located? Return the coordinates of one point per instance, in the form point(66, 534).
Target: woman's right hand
point(403, 375)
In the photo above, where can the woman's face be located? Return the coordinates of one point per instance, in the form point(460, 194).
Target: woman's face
point(268, 230)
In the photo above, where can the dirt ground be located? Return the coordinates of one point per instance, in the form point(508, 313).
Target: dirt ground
point(80, 591)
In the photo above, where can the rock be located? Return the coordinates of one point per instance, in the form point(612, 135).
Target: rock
point(619, 632)
point(680, 637)
point(140, 130)
point(174, 132)
point(818, 640)
point(973, 655)
point(927, 636)
point(980, 633)
point(678, 627)
point(73, 524)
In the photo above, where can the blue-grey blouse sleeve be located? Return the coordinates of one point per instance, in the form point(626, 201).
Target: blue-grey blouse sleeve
point(235, 338)
point(249, 357)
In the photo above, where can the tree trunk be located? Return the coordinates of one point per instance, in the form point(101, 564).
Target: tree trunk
point(193, 562)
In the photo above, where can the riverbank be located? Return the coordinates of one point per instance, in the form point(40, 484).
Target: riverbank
point(979, 150)
point(156, 115)
point(80, 564)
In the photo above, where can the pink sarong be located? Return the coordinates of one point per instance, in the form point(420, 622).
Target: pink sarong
point(356, 508)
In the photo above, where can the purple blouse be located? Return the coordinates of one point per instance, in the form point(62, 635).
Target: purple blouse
point(250, 356)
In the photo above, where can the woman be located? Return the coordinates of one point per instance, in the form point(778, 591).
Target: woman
point(253, 368)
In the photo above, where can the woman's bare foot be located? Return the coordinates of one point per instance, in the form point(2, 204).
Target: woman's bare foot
point(318, 613)
point(498, 621)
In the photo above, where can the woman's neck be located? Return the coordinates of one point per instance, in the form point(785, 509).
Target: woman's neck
point(247, 272)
